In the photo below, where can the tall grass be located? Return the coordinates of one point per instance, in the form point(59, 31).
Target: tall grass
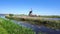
point(54, 24)
point(8, 27)
point(2, 30)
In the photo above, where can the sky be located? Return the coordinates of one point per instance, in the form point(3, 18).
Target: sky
point(39, 7)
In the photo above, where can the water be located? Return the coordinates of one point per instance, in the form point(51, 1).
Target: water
point(36, 28)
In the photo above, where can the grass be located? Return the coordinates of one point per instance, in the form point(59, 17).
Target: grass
point(2, 30)
point(8, 27)
point(51, 16)
point(49, 23)
point(54, 24)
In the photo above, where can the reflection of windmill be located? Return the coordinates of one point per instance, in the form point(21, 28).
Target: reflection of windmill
point(30, 13)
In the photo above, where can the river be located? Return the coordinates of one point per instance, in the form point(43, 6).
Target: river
point(36, 28)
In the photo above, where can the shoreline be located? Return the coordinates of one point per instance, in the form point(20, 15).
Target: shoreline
point(36, 21)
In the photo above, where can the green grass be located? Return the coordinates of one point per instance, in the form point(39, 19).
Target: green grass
point(2, 30)
point(54, 24)
point(51, 16)
point(8, 27)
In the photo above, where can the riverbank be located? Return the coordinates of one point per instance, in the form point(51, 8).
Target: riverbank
point(8, 27)
point(51, 16)
point(55, 24)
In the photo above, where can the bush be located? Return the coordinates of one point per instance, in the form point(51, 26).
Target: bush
point(10, 14)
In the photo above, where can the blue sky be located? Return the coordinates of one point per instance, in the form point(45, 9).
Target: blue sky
point(39, 7)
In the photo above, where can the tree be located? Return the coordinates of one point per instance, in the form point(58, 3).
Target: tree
point(11, 15)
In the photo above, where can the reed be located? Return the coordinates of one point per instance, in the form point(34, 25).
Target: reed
point(9, 27)
point(49, 23)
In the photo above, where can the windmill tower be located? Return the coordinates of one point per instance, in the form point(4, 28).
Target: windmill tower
point(30, 12)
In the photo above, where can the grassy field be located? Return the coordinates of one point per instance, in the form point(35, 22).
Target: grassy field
point(8, 27)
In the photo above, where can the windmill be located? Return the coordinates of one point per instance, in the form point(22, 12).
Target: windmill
point(30, 12)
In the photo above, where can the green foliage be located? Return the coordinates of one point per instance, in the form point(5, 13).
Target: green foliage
point(10, 14)
point(54, 24)
point(2, 30)
point(13, 28)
